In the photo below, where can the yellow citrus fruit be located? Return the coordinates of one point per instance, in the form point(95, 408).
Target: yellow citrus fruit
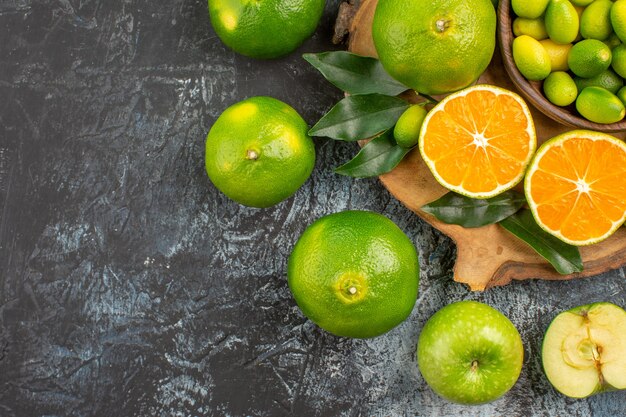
point(478, 141)
point(531, 58)
point(558, 54)
point(267, 28)
point(530, 9)
point(618, 19)
point(606, 79)
point(600, 105)
point(562, 21)
point(595, 22)
point(576, 186)
point(589, 58)
point(560, 88)
point(535, 28)
point(407, 129)
point(258, 152)
point(436, 46)
point(354, 274)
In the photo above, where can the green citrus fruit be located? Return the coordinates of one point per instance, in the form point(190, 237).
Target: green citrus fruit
point(600, 105)
point(619, 60)
point(534, 28)
point(618, 19)
point(258, 152)
point(267, 28)
point(531, 58)
point(612, 41)
point(437, 46)
point(558, 54)
point(589, 58)
point(560, 89)
point(562, 22)
point(407, 129)
point(582, 3)
point(595, 22)
point(530, 9)
point(621, 94)
point(606, 79)
point(354, 274)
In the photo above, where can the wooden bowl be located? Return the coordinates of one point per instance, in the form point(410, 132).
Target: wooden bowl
point(532, 90)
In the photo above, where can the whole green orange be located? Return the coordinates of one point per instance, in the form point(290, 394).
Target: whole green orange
point(264, 28)
point(354, 274)
point(436, 46)
point(258, 152)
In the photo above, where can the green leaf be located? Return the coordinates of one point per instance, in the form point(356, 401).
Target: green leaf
point(355, 74)
point(360, 117)
point(458, 209)
point(564, 257)
point(377, 157)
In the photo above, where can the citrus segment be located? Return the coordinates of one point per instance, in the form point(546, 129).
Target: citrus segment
point(478, 142)
point(576, 186)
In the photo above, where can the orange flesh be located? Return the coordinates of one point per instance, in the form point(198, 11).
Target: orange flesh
point(479, 141)
point(579, 187)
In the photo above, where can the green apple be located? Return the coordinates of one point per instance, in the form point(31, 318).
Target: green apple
point(584, 350)
point(470, 353)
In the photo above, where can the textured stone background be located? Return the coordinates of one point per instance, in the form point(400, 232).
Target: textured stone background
point(129, 286)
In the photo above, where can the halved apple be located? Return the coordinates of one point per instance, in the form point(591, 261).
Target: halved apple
point(584, 350)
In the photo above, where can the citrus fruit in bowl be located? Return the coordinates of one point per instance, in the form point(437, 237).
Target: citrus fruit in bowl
point(258, 152)
point(564, 23)
point(435, 47)
point(354, 274)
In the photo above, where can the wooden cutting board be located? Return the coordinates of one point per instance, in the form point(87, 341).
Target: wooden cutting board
point(490, 255)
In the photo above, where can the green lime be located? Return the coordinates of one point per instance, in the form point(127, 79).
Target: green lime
point(530, 9)
point(531, 58)
point(558, 54)
point(560, 89)
point(619, 60)
point(407, 130)
point(354, 274)
point(600, 105)
point(618, 19)
point(258, 152)
point(264, 29)
point(534, 28)
point(589, 58)
point(435, 47)
point(582, 3)
point(621, 94)
point(606, 79)
point(595, 22)
point(612, 41)
point(562, 22)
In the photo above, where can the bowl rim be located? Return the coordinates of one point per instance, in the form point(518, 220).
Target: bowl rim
point(532, 90)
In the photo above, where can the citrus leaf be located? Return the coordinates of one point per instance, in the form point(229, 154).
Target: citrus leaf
point(458, 209)
point(377, 157)
point(355, 74)
point(360, 117)
point(564, 257)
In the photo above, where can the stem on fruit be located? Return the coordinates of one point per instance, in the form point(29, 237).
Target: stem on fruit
point(442, 25)
point(252, 155)
point(352, 290)
point(474, 365)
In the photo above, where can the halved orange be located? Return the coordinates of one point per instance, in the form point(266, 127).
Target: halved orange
point(576, 186)
point(478, 141)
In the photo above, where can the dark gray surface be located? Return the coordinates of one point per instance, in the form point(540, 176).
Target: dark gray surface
point(129, 286)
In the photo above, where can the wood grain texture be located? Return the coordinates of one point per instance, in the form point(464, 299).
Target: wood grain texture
point(533, 90)
point(490, 255)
